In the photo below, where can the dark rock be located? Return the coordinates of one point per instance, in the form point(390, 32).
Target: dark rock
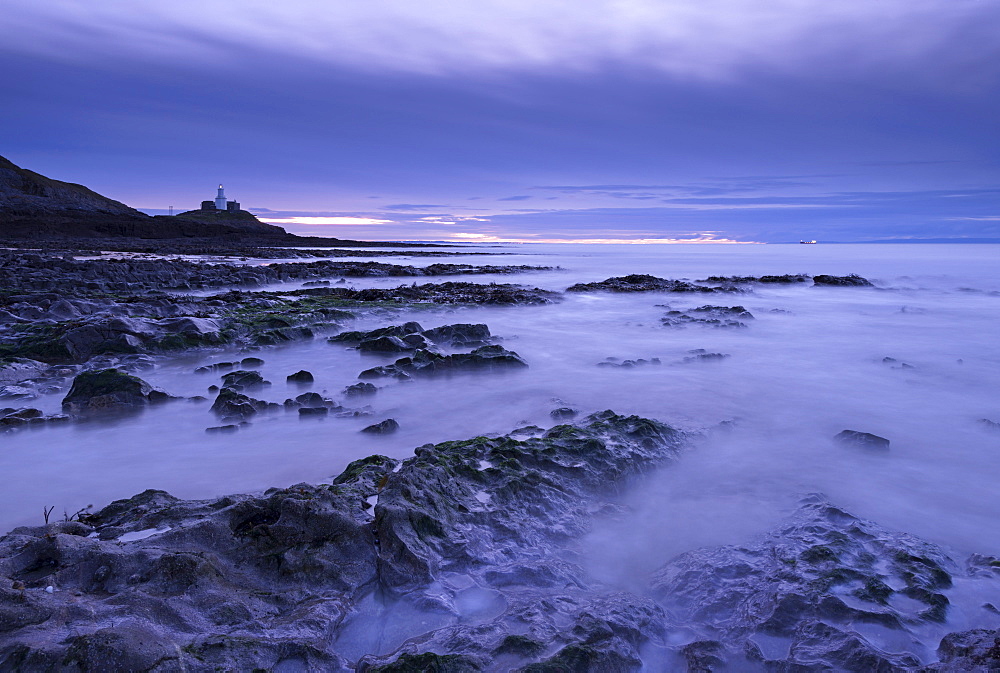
point(988, 424)
point(430, 363)
point(216, 367)
point(371, 335)
point(645, 283)
point(810, 582)
point(360, 389)
point(785, 279)
point(711, 316)
point(231, 403)
point(243, 379)
point(864, 440)
point(311, 399)
point(223, 428)
point(385, 344)
point(385, 427)
point(461, 334)
point(628, 364)
point(976, 650)
point(109, 390)
point(563, 413)
point(250, 581)
point(251, 362)
point(852, 280)
point(705, 357)
point(301, 376)
point(314, 411)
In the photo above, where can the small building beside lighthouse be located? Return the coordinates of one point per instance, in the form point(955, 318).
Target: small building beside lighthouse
point(221, 203)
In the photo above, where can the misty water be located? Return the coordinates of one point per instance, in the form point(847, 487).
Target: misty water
point(807, 367)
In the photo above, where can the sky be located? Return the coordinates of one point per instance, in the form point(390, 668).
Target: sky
point(522, 120)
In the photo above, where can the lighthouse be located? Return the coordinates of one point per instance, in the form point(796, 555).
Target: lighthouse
point(221, 203)
point(220, 199)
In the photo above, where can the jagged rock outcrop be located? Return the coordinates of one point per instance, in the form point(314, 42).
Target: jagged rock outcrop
point(462, 549)
point(462, 559)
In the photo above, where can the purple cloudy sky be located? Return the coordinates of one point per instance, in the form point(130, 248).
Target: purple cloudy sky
point(522, 119)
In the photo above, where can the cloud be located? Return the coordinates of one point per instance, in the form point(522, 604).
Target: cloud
point(321, 220)
point(709, 39)
point(413, 206)
point(522, 197)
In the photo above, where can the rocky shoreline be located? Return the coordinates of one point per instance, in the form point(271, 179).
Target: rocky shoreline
point(465, 557)
point(462, 558)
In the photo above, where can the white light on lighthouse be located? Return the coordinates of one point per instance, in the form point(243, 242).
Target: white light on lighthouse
point(220, 200)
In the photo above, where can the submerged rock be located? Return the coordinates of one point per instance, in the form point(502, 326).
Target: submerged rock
point(864, 440)
point(109, 390)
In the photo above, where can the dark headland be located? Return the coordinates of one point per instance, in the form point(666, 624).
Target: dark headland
point(40, 210)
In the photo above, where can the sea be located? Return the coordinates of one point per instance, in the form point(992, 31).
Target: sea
point(915, 359)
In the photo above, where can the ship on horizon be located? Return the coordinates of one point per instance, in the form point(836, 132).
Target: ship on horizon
point(807, 242)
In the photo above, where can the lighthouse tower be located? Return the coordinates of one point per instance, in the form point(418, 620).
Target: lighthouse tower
point(220, 199)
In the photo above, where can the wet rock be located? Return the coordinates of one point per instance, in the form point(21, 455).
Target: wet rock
point(371, 335)
point(17, 393)
point(251, 362)
point(311, 399)
point(216, 367)
point(19, 369)
point(852, 280)
point(250, 581)
point(360, 390)
point(628, 364)
point(243, 379)
point(109, 390)
point(864, 440)
point(301, 376)
point(314, 411)
point(786, 279)
point(385, 344)
point(459, 335)
point(385, 427)
point(705, 357)
point(231, 403)
point(896, 364)
point(710, 316)
point(645, 283)
point(807, 585)
point(430, 363)
point(563, 413)
point(411, 336)
point(223, 429)
point(968, 651)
